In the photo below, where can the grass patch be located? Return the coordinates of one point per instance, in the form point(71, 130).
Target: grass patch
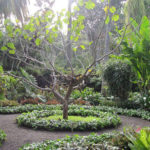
point(73, 118)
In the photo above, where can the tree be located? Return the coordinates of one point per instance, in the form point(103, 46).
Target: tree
point(19, 8)
point(15, 7)
point(135, 9)
point(42, 44)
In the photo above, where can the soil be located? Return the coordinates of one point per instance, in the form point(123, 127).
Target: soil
point(18, 136)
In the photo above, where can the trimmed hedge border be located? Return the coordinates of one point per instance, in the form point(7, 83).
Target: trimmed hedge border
point(92, 142)
point(35, 120)
point(120, 111)
point(2, 136)
point(28, 108)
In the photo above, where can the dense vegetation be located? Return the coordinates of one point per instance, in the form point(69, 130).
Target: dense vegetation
point(77, 69)
point(113, 141)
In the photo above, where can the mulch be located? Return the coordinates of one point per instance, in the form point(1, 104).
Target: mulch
point(18, 136)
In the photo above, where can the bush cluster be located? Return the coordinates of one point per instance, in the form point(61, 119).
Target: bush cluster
point(88, 94)
point(4, 103)
point(37, 120)
point(92, 142)
point(118, 75)
point(2, 136)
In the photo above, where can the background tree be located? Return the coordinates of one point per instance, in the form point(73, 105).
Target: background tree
point(18, 8)
point(135, 9)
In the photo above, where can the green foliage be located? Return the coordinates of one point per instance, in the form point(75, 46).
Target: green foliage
point(89, 95)
point(26, 90)
point(28, 108)
point(36, 120)
point(2, 136)
point(5, 83)
point(142, 101)
point(5, 103)
point(139, 141)
point(92, 142)
point(136, 49)
point(117, 74)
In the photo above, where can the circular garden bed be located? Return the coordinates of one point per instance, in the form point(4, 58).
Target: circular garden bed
point(79, 120)
point(2, 136)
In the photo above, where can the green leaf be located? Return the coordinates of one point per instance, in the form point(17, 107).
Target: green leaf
point(107, 20)
point(37, 42)
point(81, 18)
point(82, 46)
point(4, 48)
point(74, 49)
point(115, 18)
point(1, 34)
point(112, 9)
point(81, 3)
point(11, 51)
point(11, 45)
point(90, 43)
point(89, 4)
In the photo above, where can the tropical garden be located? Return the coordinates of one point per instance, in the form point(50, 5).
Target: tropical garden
point(77, 78)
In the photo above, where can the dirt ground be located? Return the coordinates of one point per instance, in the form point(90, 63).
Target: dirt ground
point(18, 136)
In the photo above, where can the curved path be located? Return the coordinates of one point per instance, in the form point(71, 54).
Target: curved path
point(18, 136)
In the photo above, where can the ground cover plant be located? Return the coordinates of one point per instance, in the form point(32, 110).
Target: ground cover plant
point(79, 120)
point(27, 108)
point(120, 111)
point(2, 136)
point(109, 141)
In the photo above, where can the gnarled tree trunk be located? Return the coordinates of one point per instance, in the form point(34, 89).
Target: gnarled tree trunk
point(65, 110)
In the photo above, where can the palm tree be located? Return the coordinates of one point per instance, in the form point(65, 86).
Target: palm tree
point(16, 7)
point(135, 9)
point(19, 8)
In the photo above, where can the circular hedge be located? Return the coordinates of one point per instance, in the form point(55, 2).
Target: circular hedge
point(120, 111)
point(2, 136)
point(38, 120)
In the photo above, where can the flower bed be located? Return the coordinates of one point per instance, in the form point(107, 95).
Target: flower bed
point(38, 120)
point(2, 136)
point(92, 142)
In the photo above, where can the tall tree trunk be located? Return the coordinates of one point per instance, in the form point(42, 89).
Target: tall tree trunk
point(107, 49)
point(69, 46)
point(65, 110)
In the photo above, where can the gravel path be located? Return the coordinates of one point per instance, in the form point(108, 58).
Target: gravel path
point(18, 136)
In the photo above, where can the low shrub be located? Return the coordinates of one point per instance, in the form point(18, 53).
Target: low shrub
point(30, 101)
point(140, 139)
point(89, 95)
point(2, 136)
point(80, 102)
point(90, 142)
point(37, 120)
point(4, 103)
point(140, 101)
point(52, 102)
